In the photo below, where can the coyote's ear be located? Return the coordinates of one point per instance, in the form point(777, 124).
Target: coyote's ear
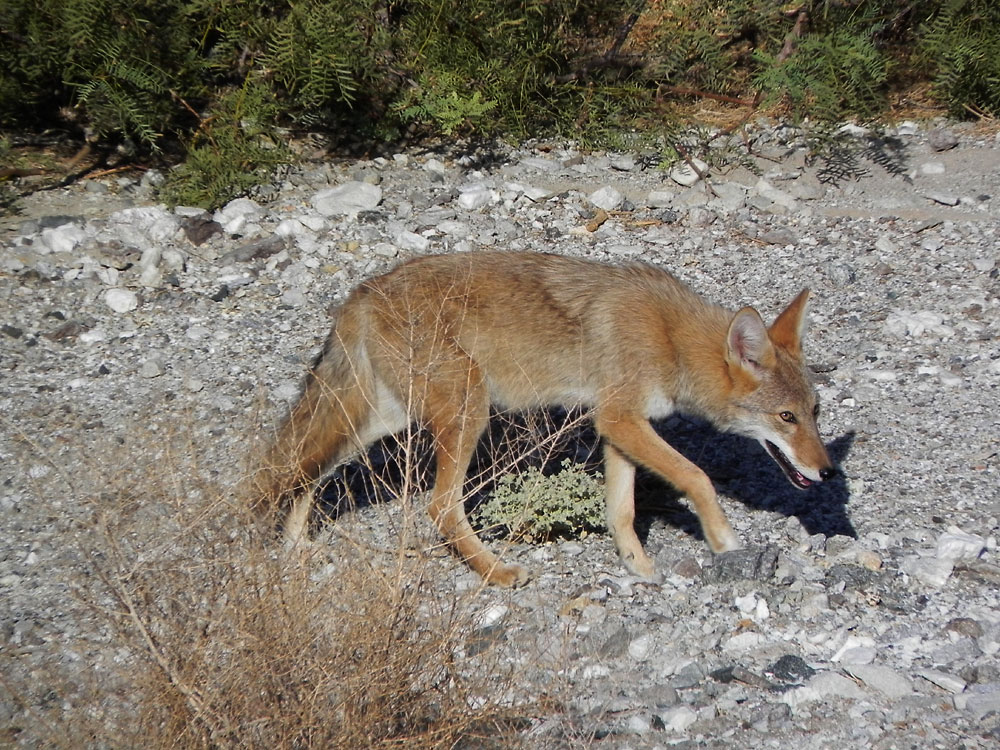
point(787, 329)
point(747, 342)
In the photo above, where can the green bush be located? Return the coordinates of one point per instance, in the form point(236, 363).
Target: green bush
point(236, 150)
point(220, 77)
point(535, 506)
point(960, 43)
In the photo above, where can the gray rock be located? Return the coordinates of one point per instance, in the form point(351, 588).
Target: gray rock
point(942, 139)
point(980, 701)
point(474, 197)
point(607, 198)
point(945, 199)
point(779, 236)
point(885, 680)
point(152, 367)
point(121, 300)
point(349, 198)
point(944, 680)
point(751, 563)
point(688, 173)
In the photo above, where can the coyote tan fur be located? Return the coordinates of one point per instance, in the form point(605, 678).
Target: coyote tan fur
point(441, 338)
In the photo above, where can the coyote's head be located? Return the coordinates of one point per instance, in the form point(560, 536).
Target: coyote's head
point(774, 401)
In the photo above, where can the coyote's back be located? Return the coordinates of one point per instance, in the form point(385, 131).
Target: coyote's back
point(441, 338)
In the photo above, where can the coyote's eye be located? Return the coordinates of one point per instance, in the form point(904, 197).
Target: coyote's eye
point(787, 416)
point(816, 412)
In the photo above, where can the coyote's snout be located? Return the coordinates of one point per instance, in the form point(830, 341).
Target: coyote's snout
point(441, 338)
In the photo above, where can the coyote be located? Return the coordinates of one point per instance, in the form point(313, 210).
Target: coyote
point(441, 338)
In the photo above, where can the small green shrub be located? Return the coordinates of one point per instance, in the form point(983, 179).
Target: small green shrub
point(534, 506)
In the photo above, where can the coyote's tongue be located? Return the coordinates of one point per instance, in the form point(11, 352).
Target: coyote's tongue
point(794, 475)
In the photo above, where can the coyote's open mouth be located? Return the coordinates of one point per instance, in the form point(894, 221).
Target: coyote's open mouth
point(795, 476)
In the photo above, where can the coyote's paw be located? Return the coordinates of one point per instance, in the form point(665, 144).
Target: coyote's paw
point(640, 565)
point(508, 575)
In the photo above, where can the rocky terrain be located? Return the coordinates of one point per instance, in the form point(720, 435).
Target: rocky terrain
point(863, 613)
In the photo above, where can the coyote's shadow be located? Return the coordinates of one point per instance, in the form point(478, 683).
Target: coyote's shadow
point(739, 468)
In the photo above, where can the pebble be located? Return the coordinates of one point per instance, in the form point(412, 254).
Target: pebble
point(475, 197)
point(688, 172)
point(121, 300)
point(350, 198)
point(607, 198)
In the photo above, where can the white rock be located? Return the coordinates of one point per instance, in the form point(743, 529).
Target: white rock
point(659, 199)
point(540, 164)
point(885, 680)
point(435, 166)
point(638, 724)
point(928, 570)
point(743, 642)
point(347, 199)
point(956, 544)
point(62, 239)
point(851, 129)
point(287, 391)
point(683, 174)
point(851, 643)
point(385, 250)
point(138, 227)
point(766, 190)
point(289, 228)
point(746, 604)
point(905, 323)
point(944, 680)
point(858, 655)
point(152, 368)
point(151, 278)
point(678, 718)
point(294, 297)
point(886, 246)
point(824, 685)
point(981, 703)
point(729, 196)
point(491, 615)
point(121, 300)
point(475, 196)
point(945, 199)
point(932, 167)
point(536, 194)
point(314, 222)
point(607, 198)
point(595, 671)
point(411, 242)
point(245, 207)
point(454, 228)
point(639, 648)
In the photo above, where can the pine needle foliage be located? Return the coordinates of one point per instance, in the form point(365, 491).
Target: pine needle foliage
point(236, 150)
point(961, 42)
point(159, 73)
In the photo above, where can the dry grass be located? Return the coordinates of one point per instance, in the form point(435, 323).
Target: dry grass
point(218, 636)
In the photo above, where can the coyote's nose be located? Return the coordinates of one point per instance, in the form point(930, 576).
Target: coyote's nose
point(828, 473)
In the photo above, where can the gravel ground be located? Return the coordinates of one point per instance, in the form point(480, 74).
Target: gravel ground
point(864, 613)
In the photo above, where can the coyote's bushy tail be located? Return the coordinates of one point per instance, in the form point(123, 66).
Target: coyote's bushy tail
point(325, 422)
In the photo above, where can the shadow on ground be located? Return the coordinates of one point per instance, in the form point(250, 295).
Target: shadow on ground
point(738, 467)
